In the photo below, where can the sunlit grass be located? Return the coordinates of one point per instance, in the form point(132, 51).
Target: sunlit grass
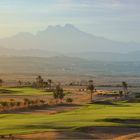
point(90, 115)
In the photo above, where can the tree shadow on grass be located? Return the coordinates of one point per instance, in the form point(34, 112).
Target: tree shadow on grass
point(110, 103)
point(45, 126)
point(123, 121)
point(6, 91)
point(109, 132)
point(3, 116)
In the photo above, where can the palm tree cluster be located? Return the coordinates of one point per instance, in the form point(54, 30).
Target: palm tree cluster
point(41, 83)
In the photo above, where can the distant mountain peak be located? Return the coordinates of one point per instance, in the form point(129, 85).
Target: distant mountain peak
point(70, 26)
point(59, 29)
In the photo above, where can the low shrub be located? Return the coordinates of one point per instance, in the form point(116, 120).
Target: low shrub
point(137, 95)
point(69, 100)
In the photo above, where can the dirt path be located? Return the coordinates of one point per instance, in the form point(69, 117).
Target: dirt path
point(52, 109)
point(46, 109)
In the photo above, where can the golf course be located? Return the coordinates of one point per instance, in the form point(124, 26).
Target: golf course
point(68, 117)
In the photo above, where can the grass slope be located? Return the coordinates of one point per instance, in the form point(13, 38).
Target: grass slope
point(90, 115)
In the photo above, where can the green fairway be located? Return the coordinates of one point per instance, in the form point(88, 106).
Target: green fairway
point(23, 91)
point(90, 115)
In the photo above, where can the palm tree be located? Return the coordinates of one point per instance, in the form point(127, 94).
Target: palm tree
point(50, 83)
point(45, 84)
point(91, 87)
point(1, 82)
point(125, 88)
point(61, 94)
point(19, 83)
point(39, 82)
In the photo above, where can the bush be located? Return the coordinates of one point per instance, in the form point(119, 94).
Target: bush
point(136, 100)
point(42, 101)
point(137, 95)
point(12, 100)
point(12, 104)
point(18, 104)
point(69, 100)
point(4, 104)
point(27, 102)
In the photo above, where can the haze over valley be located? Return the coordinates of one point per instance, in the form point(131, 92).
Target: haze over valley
point(66, 49)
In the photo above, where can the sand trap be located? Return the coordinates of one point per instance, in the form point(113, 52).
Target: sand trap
point(135, 136)
point(87, 133)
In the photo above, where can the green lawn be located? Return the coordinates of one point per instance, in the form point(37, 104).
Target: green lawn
point(90, 115)
point(23, 91)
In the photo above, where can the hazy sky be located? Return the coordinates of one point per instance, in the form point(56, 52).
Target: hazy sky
point(114, 19)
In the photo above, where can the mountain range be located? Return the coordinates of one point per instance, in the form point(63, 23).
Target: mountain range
point(69, 41)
